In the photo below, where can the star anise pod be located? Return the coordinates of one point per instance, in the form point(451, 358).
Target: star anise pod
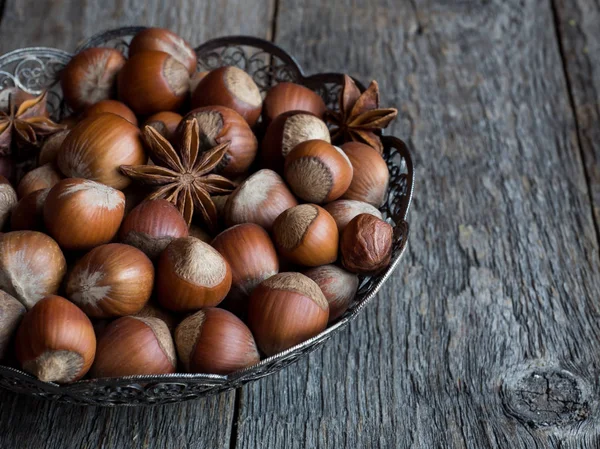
point(359, 117)
point(184, 178)
point(24, 124)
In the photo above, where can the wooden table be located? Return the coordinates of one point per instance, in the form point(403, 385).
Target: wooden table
point(489, 334)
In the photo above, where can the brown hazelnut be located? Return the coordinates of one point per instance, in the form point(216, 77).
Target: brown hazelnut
point(250, 254)
point(152, 225)
point(366, 244)
point(161, 39)
point(56, 341)
point(286, 97)
point(199, 233)
point(97, 147)
point(259, 199)
point(11, 313)
point(153, 310)
point(81, 214)
point(132, 346)
point(371, 174)
point(219, 124)
point(306, 235)
point(114, 107)
point(317, 171)
point(285, 132)
point(338, 285)
point(165, 123)
point(111, 280)
point(90, 77)
point(191, 275)
point(43, 177)
point(343, 211)
point(153, 81)
point(195, 80)
point(286, 310)
point(32, 266)
point(28, 214)
point(8, 200)
point(231, 87)
point(215, 341)
point(51, 146)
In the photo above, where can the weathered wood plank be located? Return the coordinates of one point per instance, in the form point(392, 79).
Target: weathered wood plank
point(29, 423)
point(578, 24)
point(64, 23)
point(488, 335)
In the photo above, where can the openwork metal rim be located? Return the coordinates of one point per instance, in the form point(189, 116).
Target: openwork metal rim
point(34, 69)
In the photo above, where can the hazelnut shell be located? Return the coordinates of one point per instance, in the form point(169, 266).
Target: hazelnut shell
point(366, 244)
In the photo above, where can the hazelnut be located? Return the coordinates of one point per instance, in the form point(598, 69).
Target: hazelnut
point(199, 233)
point(318, 172)
point(152, 225)
point(215, 341)
point(161, 39)
point(366, 244)
point(338, 285)
point(306, 235)
point(153, 81)
point(219, 124)
point(285, 132)
point(343, 211)
point(111, 280)
point(165, 123)
point(32, 266)
point(286, 310)
point(51, 147)
point(114, 107)
point(28, 214)
point(97, 147)
point(8, 200)
point(371, 174)
point(286, 97)
point(39, 178)
point(250, 254)
point(90, 77)
point(259, 199)
point(81, 214)
point(152, 310)
point(191, 275)
point(133, 346)
point(195, 80)
point(56, 341)
point(11, 313)
point(231, 87)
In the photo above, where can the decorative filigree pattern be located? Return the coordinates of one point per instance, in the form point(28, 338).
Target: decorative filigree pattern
point(35, 69)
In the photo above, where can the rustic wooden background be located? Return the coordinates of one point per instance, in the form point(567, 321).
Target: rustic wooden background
point(489, 335)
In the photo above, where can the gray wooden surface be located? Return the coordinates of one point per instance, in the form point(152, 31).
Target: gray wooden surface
point(488, 335)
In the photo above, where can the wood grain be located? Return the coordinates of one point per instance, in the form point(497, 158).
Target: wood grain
point(488, 335)
point(35, 424)
point(64, 23)
point(578, 24)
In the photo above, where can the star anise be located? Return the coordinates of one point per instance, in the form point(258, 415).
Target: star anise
point(359, 117)
point(184, 178)
point(24, 124)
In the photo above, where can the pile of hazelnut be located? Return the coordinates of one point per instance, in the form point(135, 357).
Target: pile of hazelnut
point(182, 244)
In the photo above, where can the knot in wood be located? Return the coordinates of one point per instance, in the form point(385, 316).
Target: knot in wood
point(545, 398)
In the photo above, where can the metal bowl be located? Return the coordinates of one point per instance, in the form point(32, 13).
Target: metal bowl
point(38, 68)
